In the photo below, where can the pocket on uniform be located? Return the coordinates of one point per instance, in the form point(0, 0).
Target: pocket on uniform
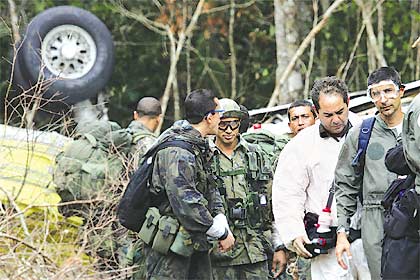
point(165, 235)
point(183, 244)
point(150, 225)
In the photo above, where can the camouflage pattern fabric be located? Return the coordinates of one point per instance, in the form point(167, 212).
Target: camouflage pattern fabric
point(173, 266)
point(190, 198)
point(143, 139)
point(297, 268)
point(136, 259)
point(270, 144)
point(249, 252)
point(90, 168)
point(132, 253)
point(255, 271)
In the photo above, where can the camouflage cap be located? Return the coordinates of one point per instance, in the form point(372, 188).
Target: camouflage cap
point(231, 109)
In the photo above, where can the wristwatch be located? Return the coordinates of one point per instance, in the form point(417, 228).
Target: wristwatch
point(280, 247)
point(341, 229)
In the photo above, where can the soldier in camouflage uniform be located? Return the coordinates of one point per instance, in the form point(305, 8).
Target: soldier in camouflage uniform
point(147, 117)
point(146, 120)
point(244, 184)
point(189, 199)
point(301, 115)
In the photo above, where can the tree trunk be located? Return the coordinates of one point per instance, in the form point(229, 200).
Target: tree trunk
point(285, 21)
point(177, 104)
point(232, 50)
point(380, 28)
point(14, 21)
point(300, 50)
point(322, 63)
point(415, 31)
point(312, 52)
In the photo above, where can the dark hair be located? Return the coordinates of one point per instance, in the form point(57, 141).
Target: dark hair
point(149, 106)
point(383, 74)
point(197, 104)
point(245, 121)
point(301, 103)
point(328, 86)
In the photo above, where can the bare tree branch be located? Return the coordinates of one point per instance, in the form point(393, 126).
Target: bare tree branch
point(353, 52)
point(370, 32)
point(140, 17)
point(210, 71)
point(182, 35)
point(226, 7)
point(416, 43)
point(14, 238)
point(301, 49)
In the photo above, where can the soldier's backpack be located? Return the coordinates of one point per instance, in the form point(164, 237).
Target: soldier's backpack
point(92, 162)
point(270, 144)
point(137, 197)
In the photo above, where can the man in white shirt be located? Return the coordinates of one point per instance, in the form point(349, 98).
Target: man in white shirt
point(305, 172)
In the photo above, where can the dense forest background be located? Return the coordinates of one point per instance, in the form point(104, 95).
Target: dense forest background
point(257, 52)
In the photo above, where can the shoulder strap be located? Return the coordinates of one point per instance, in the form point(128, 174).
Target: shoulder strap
point(171, 143)
point(359, 160)
point(364, 137)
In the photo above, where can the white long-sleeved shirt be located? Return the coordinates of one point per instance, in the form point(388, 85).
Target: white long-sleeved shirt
point(302, 180)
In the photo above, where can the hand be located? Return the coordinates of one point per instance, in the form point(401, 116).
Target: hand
point(299, 244)
point(227, 243)
point(279, 263)
point(342, 246)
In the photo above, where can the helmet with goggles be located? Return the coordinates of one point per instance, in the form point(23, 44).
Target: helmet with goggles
point(231, 109)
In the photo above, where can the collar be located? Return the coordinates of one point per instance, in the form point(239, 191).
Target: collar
point(242, 144)
point(323, 133)
point(136, 125)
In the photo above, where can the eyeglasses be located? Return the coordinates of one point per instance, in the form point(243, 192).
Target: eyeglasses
point(223, 125)
point(213, 112)
point(389, 93)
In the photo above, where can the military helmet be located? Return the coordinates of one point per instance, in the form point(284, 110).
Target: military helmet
point(231, 109)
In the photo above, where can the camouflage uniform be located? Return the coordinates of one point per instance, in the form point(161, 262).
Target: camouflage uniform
point(183, 178)
point(297, 267)
point(248, 258)
point(132, 254)
point(143, 139)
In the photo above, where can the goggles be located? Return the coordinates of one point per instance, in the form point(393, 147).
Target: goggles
point(389, 93)
point(213, 112)
point(223, 125)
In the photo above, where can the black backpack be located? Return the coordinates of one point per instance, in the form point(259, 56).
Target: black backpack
point(137, 197)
